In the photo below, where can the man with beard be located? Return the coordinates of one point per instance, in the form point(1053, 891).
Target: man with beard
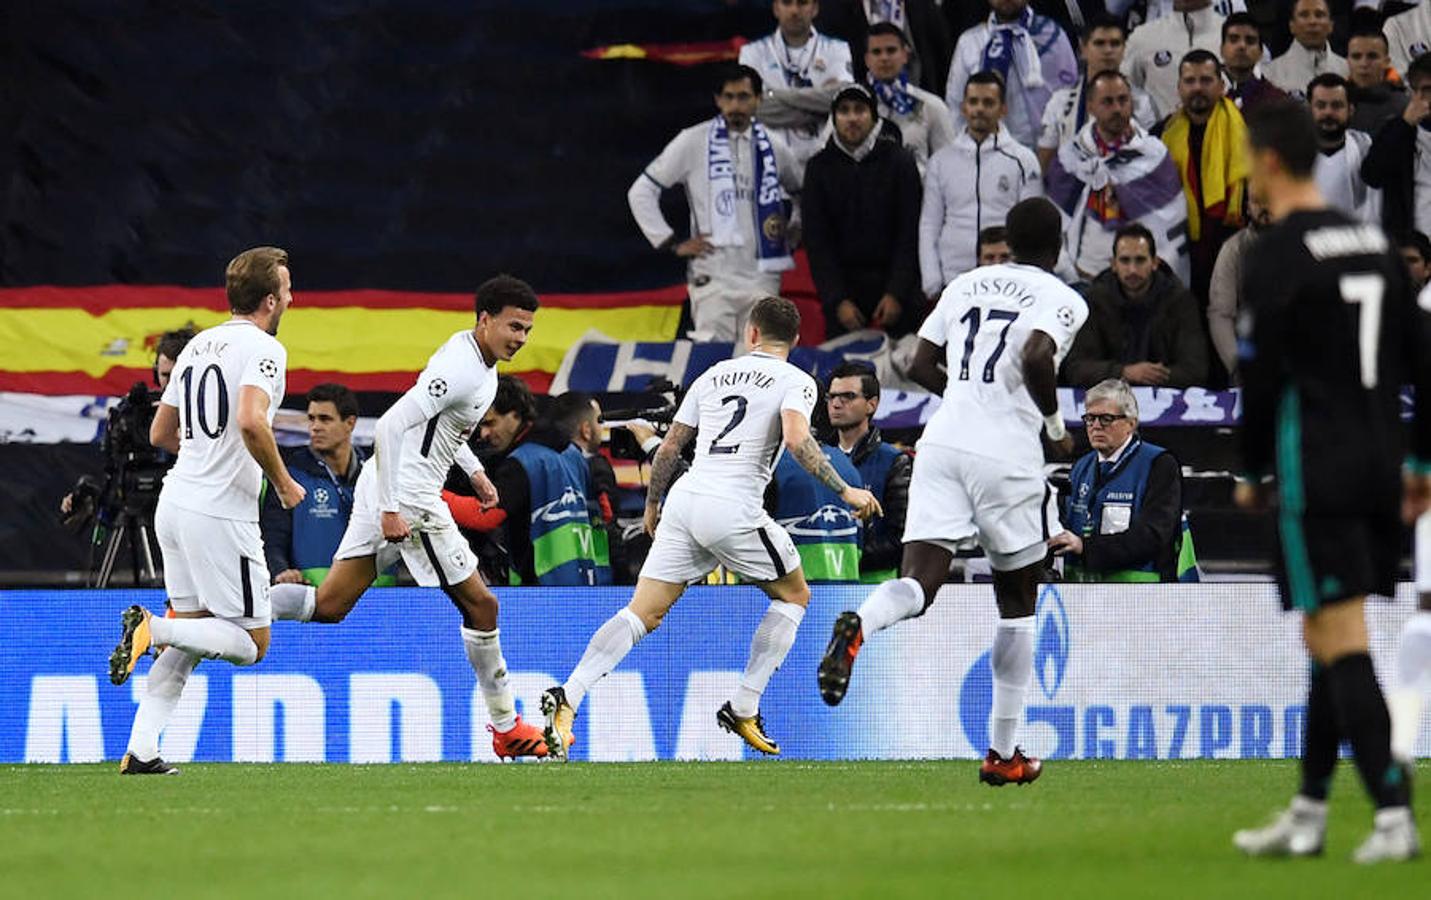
point(1341, 151)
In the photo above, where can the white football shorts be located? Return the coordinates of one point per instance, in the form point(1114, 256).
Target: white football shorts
point(435, 553)
point(213, 565)
point(695, 536)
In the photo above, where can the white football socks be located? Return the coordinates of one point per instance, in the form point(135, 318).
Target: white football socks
point(161, 695)
point(768, 646)
point(893, 601)
point(484, 652)
point(205, 638)
point(607, 647)
point(1012, 662)
point(1407, 698)
point(293, 602)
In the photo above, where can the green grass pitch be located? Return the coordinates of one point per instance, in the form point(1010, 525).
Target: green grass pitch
point(762, 829)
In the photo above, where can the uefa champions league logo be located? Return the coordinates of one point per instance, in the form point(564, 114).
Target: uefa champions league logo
point(1052, 645)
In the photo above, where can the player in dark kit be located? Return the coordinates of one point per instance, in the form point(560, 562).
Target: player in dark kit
point(1332, 334)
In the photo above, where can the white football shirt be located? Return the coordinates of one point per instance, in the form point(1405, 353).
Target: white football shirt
point(735, 406)
point(454, 391)
point(983, 319)
point(215, 474)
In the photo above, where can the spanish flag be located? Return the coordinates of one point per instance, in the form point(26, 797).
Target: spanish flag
point(100, 340)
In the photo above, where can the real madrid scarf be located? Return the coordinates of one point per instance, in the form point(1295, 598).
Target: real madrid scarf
point(1030, 30)
point(771, 252)
point(1221, 173)
point(894, 94)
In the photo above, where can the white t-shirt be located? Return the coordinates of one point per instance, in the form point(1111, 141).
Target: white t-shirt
point(454, 391)
point(736, 405)
point(215, 474)
point(984, 318)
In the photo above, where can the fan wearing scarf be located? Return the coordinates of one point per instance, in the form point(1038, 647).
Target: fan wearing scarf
point(796, 57)
point(1114, 173)
point(1029, 51)
point(923, 118)
point(1207, 138)
point(1067, 110)
point(739, 179)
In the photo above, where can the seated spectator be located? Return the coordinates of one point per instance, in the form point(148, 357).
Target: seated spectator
point(825, 531)
point(578, 415)
point(1409, 35)
point(1225, 298)
point(1342, 151)
point(1029, 52)
point(542, 485)
point(735, 175)
point(1377, 93)
point(924, 29)
point(1143, 325)
point(1416, 250)
point(299, 543)
point(1114, 173)
point(1154, 49)
point(884, 469)
point(1124, 512)
point(994, 246)
point(1242, 64)
point(1399, 161)
point(797, 57)
point(861, 213)
point(1101, 50)
point(971, 185)
point(1309, 55)
point(1207, 139)
point(922, 117)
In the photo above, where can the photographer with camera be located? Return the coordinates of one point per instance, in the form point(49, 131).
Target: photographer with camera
point(122, 500)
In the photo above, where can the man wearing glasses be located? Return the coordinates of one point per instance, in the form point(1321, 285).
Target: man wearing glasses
point(1124, 512)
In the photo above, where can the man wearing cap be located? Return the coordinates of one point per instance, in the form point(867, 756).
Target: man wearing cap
point(861, 208)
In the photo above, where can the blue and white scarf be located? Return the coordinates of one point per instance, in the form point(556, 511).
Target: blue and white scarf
point(771, 252)
point(894, 94)
point(999, 51)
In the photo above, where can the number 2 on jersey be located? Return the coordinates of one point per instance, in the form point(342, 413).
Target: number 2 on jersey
point(740, 404)
point(223, 405)
point(974, 317)
point(1366, 292)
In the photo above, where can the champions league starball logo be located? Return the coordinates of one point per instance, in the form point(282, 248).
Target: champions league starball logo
point(268, 368)
point(1052, 645)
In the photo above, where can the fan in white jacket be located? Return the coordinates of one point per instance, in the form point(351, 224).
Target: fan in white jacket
point(1155, 49)
point(1409, 35)
point(969, 186)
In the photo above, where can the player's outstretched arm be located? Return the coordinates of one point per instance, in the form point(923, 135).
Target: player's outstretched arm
point(1041, 379)
point(924, 371)
point(806, 450)
point(258, 437)
point(164, 430)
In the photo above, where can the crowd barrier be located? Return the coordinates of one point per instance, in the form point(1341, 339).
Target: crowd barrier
point(1121, 671)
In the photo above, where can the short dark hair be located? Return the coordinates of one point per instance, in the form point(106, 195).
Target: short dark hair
point(513, 396)
point(1107, 75)
point(499, 292)
point(890, 29)
point(1329, 80)
point(987, 77)
point(850, 368)
point(1419, 69)
point(1287, 129)
point(567, 411)
point(994, 234)
point(733, 72)
point(777, 318)
point(172, 343)
point(1104, 21)
point(1419, 241)
point(344, 400)
point(251, 276)
point(1370, 27)
point(1035, 230)
point(1199, 57)
point(1136, 230)
point(1244, 20)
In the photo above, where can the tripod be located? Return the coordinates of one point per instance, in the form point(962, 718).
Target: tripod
point(138, 526)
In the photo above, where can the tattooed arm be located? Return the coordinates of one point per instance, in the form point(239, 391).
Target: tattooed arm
point(663, 470)
point(806, 450)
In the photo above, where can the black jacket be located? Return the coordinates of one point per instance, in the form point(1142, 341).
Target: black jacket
point(1375, 105)
point(1174, 333)
point(1390, 164)
point(884, 546)
point(862, 228)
